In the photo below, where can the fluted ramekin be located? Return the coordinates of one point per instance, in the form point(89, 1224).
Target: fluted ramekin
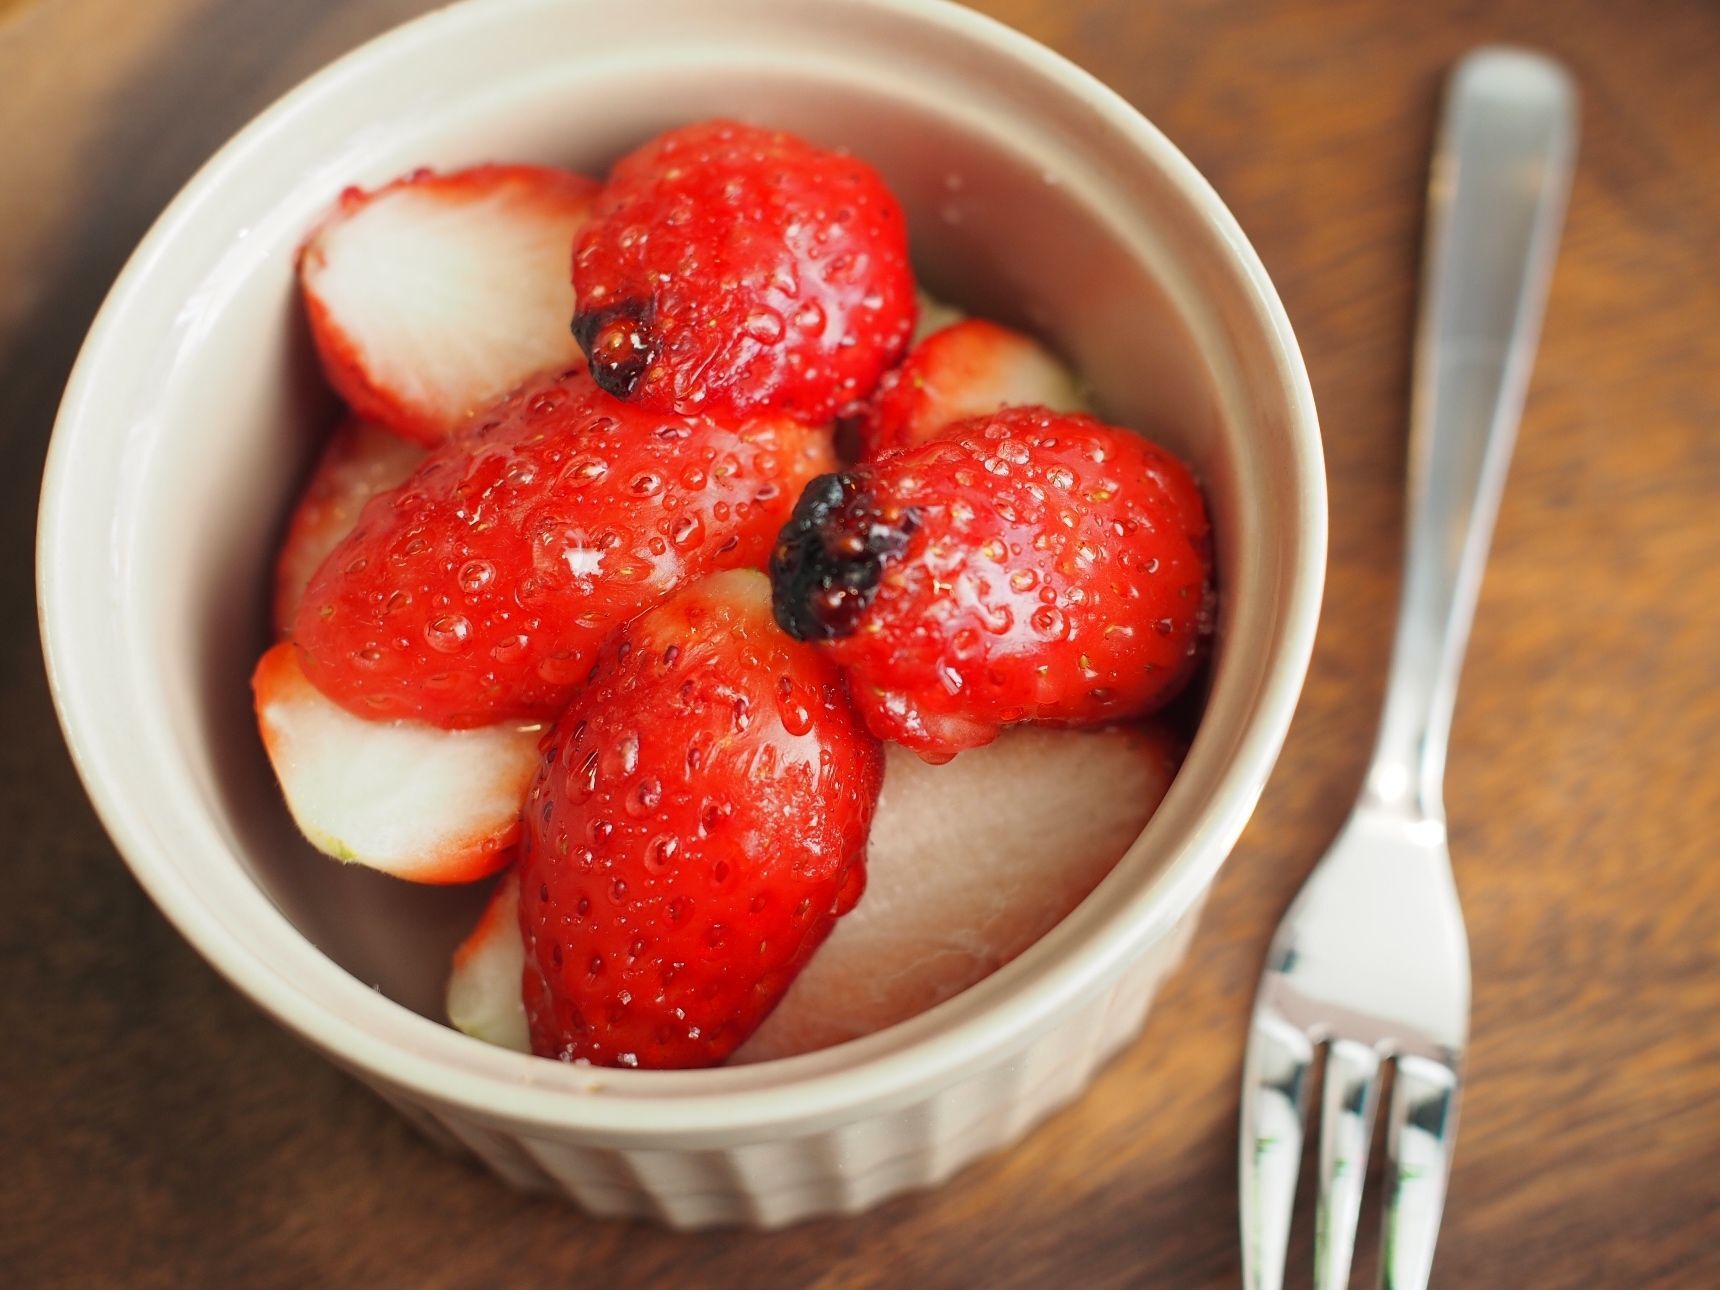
point(1035, 194)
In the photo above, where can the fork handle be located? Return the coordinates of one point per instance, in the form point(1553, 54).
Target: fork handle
point(1496, 199)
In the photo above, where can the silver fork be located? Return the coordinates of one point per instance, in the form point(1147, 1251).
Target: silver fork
point(1371, 963)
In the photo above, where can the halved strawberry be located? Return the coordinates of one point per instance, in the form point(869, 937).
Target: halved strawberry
point(424, 804)
point(933, 315)
point(482, 587)
point(967, 369)
point(698, 823)
point(484, 996)
point(361, 460)
point(438, 294)
point(970, 863)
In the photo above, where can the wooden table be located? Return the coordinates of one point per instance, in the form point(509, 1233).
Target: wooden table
point(156, 1130)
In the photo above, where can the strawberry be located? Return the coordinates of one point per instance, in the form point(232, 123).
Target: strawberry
point(933, 315)
point(970, 863)
point(965, 370)
point(437, 294)
point(1027, 566)
point(478, 590)
point(697, 825)
point(484, 998)
point(361, 460)
point(730, 269)
point(424, 804)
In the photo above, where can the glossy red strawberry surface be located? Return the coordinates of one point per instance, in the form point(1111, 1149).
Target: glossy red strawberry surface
point(697, 825)
point(730, 268)
point(1025, 567)
point(479, 589)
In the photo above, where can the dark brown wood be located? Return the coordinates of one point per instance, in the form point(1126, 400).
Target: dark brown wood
point(155, 1130)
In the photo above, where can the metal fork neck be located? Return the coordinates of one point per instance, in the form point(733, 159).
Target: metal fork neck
point(1497, 197)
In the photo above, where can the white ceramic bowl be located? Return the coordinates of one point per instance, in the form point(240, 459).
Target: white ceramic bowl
point(1035, 194)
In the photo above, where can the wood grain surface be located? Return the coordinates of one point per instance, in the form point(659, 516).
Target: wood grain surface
point(156, 1130)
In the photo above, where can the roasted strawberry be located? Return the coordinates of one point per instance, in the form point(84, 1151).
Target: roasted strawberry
point(730, 269)
point(478, 590)
point(423, 804)
point(437, 294)
point(1026, 566)
point(697, 825)
point(965, 370)
point(361, 460)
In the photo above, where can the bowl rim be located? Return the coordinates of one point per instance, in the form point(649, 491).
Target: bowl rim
point(795, 1092)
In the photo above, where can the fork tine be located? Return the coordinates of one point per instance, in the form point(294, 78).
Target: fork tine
point(1351, 1085)
point(1274, 1103)
point(1419, 1136)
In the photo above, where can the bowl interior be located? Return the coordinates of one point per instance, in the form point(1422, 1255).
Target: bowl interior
point(198, 407)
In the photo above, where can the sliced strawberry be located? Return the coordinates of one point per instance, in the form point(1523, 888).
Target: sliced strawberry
point(966, 370)
point(484, 996)
point(438, 294)
point(969, 864)
point(480, 589)
point(732, 269)
point(933, 315)
point(361, 460)
point(698, 824)
point(427, 805)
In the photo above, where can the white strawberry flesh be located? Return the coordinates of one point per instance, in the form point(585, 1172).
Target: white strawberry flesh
point(484, 987)
point(415, 801)
point(438, 294)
